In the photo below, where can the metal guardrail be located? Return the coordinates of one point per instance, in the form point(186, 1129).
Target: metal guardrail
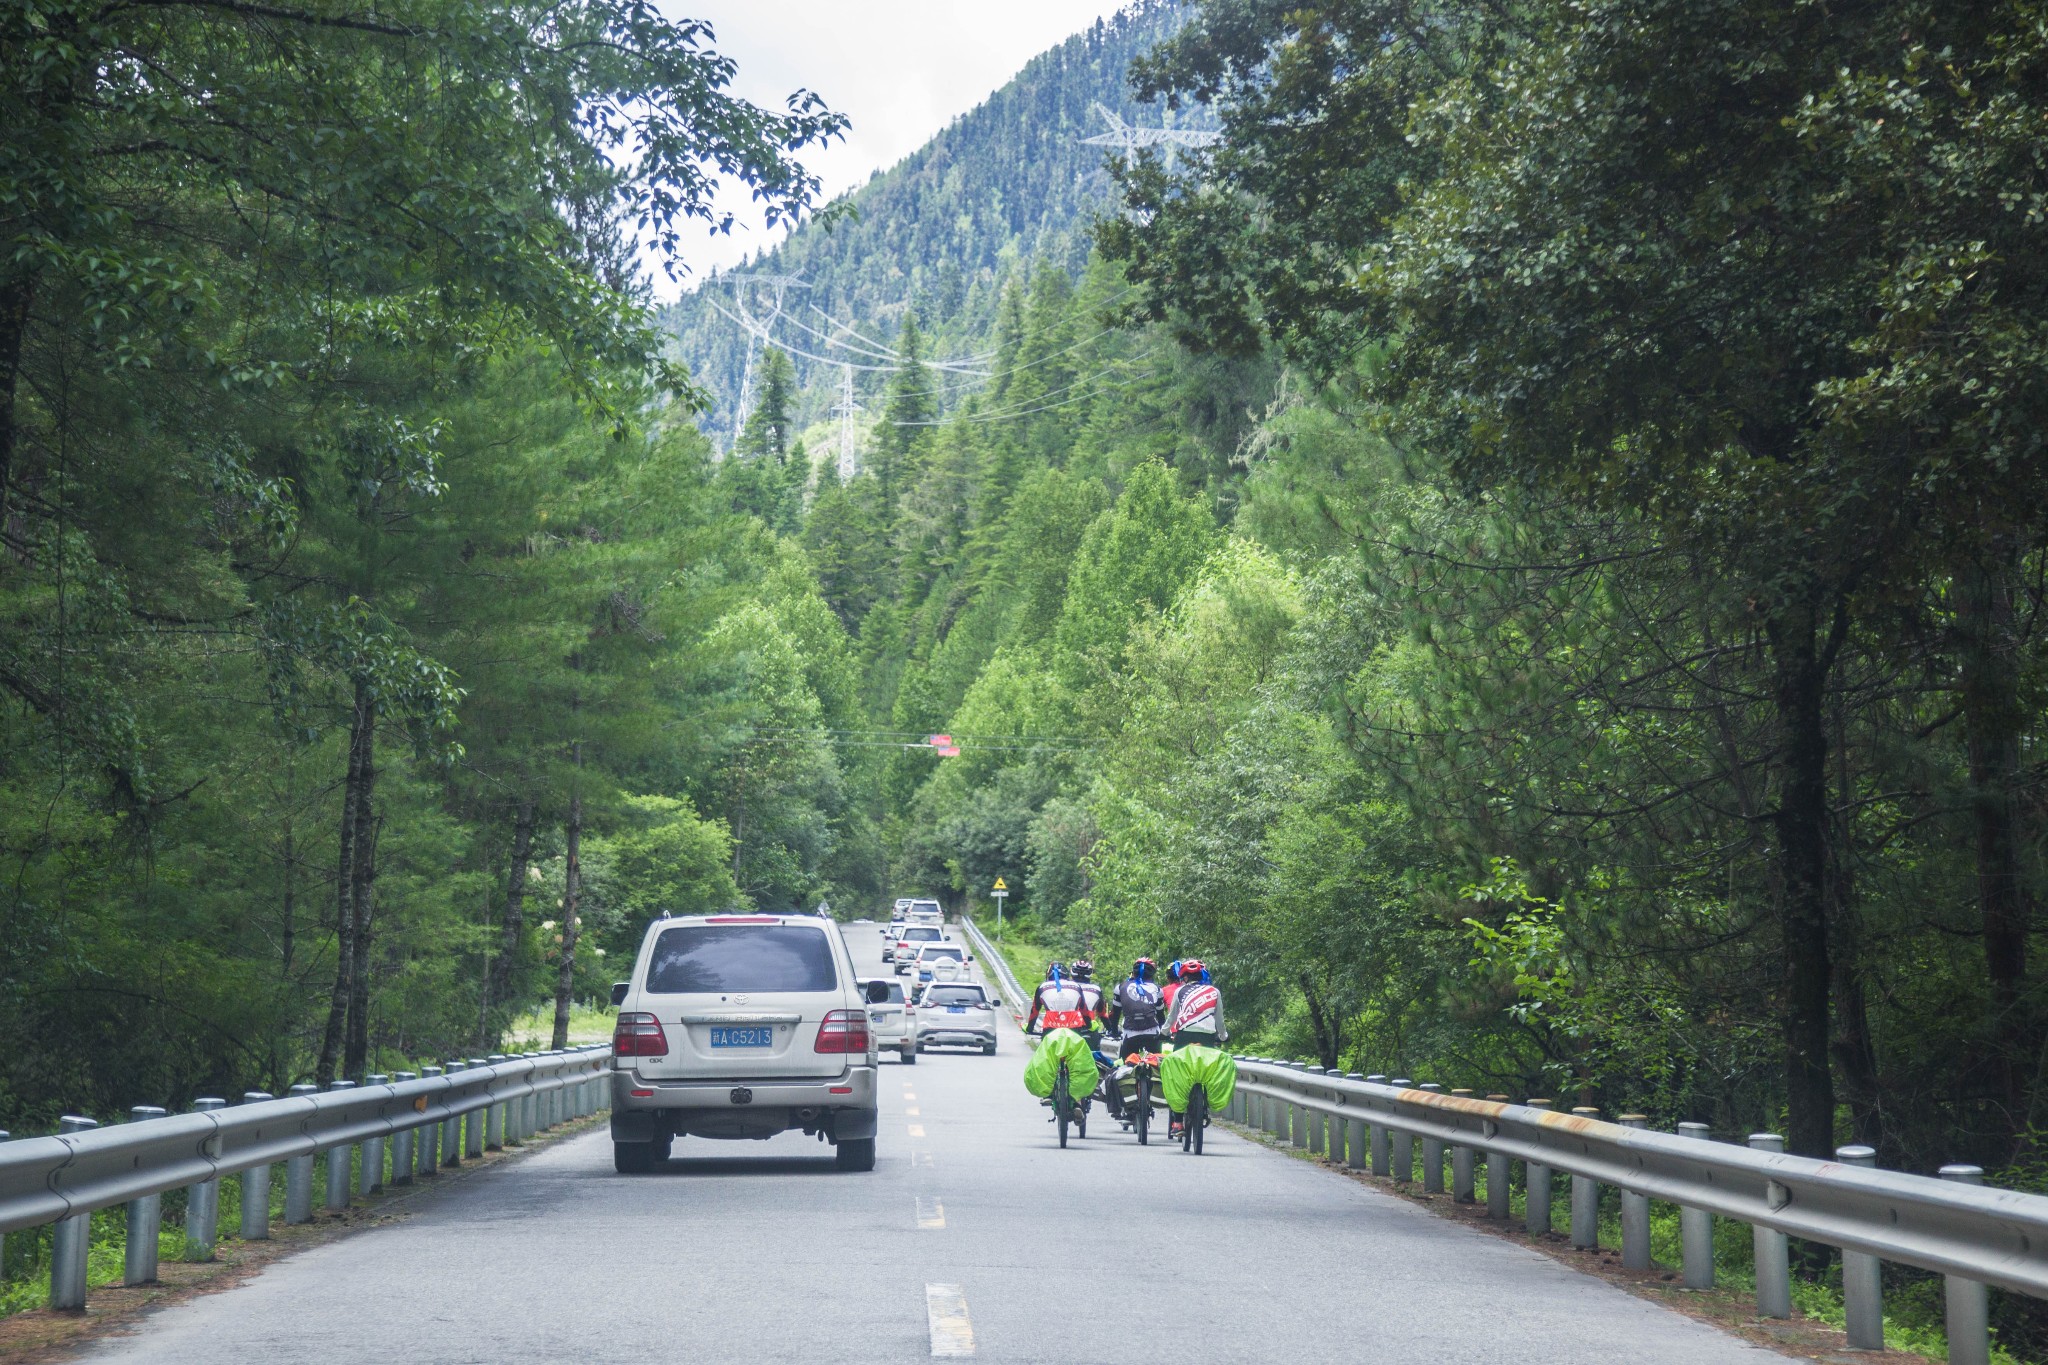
point(1952, 1225)
point(1014, 994)
point(421, 1122)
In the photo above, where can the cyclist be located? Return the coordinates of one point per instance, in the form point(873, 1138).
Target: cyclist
point(1196, 1015)
point(1057, 1003)
point(1138, 1009)
point(1083, 973)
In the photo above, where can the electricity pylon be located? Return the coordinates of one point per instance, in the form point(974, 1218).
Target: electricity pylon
point(781, 284)
point(1128, 138)
point(845, 410)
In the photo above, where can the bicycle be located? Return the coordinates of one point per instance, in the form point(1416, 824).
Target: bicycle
point(1145, 1071)
point(1195, 1119)
point(1062, 1103)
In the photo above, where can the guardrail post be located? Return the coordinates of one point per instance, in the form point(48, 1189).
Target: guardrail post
point(1696, 1228)
point(451, 1127)
point(430, 1135)
point(1462, 1182)
point(1635, 1215)
point(1404, 1142)
point(1537, 1197)
point(370, 1178)
point(145, 1219)
point(338, 1162)
point(1585, 1198)
point(1773, 1266)
point(402, 1157)
point(71, 1239)
point(256, 1187)
point(298, 1176)
point(1314, 1118)
point(1381, 1164)
point(1354, 1136)
point(202, 1204)
point(1497, 1191)
point(494, 1128)
point(1862, 1276)
point(473, 1137)
point(1432, 1154)
point(1969, 1304)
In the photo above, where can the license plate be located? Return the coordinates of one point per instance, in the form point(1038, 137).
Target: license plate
point(742, 1037)
point(956, 1009)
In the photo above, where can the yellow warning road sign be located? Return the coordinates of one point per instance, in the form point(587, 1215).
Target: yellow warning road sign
point(1001, 885)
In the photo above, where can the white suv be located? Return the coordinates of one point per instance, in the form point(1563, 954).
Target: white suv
point(742, 1026)
point(893, 1019)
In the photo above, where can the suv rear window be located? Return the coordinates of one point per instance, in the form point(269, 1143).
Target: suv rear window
point(920, 933)
point(954, 995)
point(932, 950)
point(717, 958)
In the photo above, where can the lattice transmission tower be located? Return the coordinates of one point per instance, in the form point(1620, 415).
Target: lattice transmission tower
point(781, 284)
point(1128, 137)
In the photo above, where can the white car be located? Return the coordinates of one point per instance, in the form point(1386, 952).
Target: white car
point(925, 912)
point(910, 938)
point(742, 1026)
point(892, 1018)
point(956, 1014)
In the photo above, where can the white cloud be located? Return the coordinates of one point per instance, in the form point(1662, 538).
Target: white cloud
point(899, 69)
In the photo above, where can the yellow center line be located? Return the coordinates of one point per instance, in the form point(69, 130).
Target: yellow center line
point(952, 1331)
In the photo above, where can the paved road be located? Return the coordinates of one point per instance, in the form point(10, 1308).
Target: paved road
point(975, 1233)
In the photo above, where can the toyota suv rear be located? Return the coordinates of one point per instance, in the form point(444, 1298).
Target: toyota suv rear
point(742, 1026)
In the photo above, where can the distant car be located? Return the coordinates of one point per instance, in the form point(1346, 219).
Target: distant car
point(956, 1014)
point(940, 962)
point(892, 1019)
point(914, 936)
point(925, 912)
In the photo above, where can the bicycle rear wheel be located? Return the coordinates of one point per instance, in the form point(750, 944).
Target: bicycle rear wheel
point(1197, 1117)
point(1062, 1103)
point(1144, 1106)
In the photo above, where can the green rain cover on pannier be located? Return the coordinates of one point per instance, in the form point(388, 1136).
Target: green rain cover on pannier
point(1182, 1068)
point(1042, 1072)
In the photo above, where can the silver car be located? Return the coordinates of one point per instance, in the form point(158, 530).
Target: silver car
point(956, 1014)
point(892, 1019)
point(742, 1026)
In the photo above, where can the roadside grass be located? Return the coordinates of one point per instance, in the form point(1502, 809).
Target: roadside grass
point(1027, 958)
point(534, 1031)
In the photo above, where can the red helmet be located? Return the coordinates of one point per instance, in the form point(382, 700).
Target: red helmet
point(1144, 969)
point(1192, 969)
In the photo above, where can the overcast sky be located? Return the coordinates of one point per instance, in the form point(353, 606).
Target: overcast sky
point(899, 69)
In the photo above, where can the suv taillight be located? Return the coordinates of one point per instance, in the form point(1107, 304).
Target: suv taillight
point(639, 1035)
point(843, 1031)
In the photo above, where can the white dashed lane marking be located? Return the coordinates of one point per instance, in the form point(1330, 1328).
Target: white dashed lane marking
point(945, 1307)
point(930, 1213)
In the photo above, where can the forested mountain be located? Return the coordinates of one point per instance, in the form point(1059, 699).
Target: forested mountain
point(1008, 187)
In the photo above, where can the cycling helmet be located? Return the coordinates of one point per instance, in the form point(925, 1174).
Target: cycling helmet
point(1193, 970)
point(1081, 969)
point(1143, 969)
point(1173, 970)
point(1054, 971)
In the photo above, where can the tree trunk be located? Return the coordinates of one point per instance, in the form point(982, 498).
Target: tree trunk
point(333, 1036)
point(572, 891)
point(1328, 1032)
point(1800, 694)
point(368, 824)
point(14, 303)
point(1993, 719)
point(512, 932)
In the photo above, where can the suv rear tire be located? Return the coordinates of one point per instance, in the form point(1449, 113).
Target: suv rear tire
point(909, 1056)
point(855, 1154)
point(634, 1158)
